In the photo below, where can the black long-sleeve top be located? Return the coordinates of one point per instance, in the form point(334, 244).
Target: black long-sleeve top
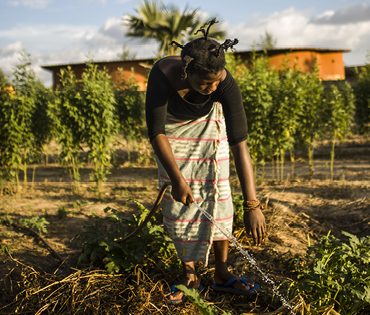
point(161, 97)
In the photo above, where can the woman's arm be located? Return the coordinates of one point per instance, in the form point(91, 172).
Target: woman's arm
point(157, 94)
point(180, 189)
point(254, 220)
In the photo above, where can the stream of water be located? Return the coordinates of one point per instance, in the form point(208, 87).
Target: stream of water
point(250, 259)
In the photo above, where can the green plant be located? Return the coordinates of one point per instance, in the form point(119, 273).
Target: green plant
point(62, 212)
point(256, 89)
point(24, 126)
point(203, 307)
point(68, 121)
point(337, 273)
point(310, 120)
point(339, 104)
point(103, 245)
point(35, 223)
point(131, 109)
point(288, 99)
point(84, 115)
point(5, 249)
point(100, 122)
point(362, 95)
point(238, 210)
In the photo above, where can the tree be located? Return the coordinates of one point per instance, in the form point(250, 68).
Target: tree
point(267, 41)
point(288, 100)
point(24, 124)
point(3, 78)
point(362, 93)
point(340, 107)
point(165, 24)
point(311, 117)
point(85, 117)
point(126, 54)
point(255, 87)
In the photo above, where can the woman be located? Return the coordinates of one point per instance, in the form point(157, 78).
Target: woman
point(194, 113)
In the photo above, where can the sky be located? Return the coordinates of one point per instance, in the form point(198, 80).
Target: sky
point(72, 31)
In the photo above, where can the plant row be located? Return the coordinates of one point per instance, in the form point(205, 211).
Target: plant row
point(84, 115)
point(290, 111)
point(287, 110)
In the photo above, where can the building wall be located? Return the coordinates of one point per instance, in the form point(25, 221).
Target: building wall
point(330, 65)
point(119, 71)
point(129, 70)
point(303, 60)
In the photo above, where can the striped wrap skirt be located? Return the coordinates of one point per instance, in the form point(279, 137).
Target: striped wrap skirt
point(201, 151)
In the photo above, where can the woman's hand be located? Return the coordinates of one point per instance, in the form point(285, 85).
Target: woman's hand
point(254, 222)
point(181, 192)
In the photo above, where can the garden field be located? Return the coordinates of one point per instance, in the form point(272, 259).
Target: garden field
point(77, 175)
point(44, 228)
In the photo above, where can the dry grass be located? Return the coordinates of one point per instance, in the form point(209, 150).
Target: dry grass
point(97, 292)
point(83, 292)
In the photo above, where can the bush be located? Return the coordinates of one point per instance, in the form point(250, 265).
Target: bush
point(130, 109)
point(84, 116)
point(24, 123)
point(103, 245)
point(362, 94)
point(337, 273)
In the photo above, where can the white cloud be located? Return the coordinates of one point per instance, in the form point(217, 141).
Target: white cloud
point(293, 28)
point(122, 1)
point(356, 13)
point(9, 56)
point(113, 28)
point(60, 44)
point(47, 38)
point(35, 4)
point(106, 1)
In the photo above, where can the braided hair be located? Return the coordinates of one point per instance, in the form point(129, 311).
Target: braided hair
point(204, 54)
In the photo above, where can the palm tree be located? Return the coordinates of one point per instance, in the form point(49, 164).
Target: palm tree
point(164, 24)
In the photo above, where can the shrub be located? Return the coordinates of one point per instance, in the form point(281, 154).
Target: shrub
point(103, 245)
point(337, 273)
point(84, 115)
point(362, 94)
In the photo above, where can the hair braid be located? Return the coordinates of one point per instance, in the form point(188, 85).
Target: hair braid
point(228, 43)
point(205, 32)
point(176, 44)
point(204, 54)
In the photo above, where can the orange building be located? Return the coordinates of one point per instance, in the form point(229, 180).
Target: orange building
point(119, 70)
point(329, 62)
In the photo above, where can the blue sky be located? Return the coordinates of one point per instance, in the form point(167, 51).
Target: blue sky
point(63, 31)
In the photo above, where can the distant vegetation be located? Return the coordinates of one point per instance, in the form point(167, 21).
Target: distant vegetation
point(287, 110)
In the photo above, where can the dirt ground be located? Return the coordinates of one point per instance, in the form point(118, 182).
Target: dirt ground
point(299, 210)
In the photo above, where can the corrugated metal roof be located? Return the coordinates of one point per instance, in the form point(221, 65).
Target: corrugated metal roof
point(293, 49)
point(51, 67)
point(247, 52)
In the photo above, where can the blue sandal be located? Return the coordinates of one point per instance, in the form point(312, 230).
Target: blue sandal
point(228, 286)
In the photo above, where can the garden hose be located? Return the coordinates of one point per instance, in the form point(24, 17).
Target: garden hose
point(150, 214)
